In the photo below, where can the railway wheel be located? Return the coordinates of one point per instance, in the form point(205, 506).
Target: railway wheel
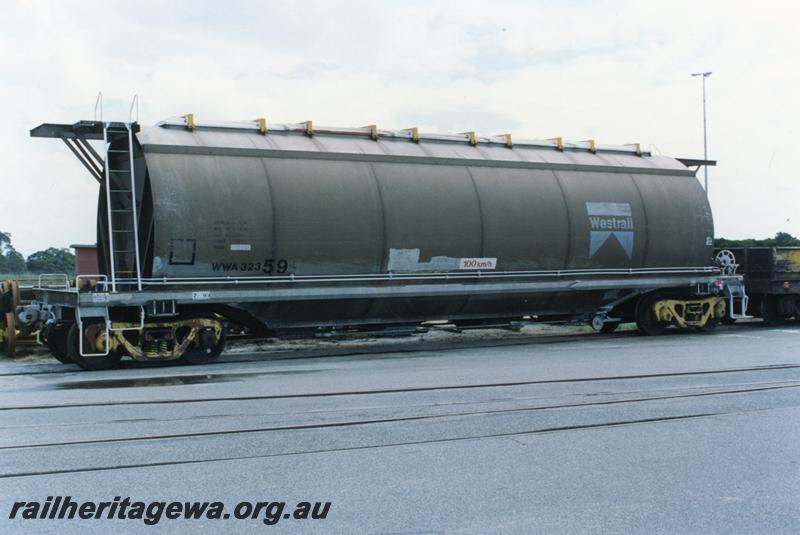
point(771, 311)
point(10, 338)
point(14, 289)
point(91, 335)
point(5, 297)
point(208, 345)
point(645, 317)
point(710, 325)
point(609, 327)
point(56, 342)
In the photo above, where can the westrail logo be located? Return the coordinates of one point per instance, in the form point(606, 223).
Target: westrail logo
point(608, 219)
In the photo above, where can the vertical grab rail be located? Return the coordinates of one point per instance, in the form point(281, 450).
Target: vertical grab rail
point(98, 103)
point(134, 209)
point(134, 106)
point(107, 323)
point(111, 253)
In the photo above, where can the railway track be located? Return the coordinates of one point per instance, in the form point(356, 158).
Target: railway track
point(520, 433)
point(393, 391)
point(599, 409)
point(349, 423)
point(355, 448)
point(272, 411)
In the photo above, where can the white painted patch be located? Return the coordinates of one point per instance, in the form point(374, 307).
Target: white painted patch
point(401, 260)
point(240, 247)
point(99, 298)
point(617, 209)
point(477, 263)
point(709, 240)
point(408, 260)
point(200, 296)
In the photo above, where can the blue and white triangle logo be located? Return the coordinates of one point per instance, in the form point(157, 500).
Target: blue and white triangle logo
point(608, 219)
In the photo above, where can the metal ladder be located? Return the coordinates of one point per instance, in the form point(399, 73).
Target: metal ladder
point(122, 208)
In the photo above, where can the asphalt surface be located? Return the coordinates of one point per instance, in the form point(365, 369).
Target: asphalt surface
point(687, 433)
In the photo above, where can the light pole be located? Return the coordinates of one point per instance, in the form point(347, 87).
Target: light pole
point(704, 75)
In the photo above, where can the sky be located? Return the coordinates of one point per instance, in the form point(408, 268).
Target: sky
point(617, 72)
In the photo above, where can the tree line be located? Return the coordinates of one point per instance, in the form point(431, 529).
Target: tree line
point(50, 260)
point(781, 239)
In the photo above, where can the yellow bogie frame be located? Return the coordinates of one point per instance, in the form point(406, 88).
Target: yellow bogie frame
point(690, 313)
point(195, 325)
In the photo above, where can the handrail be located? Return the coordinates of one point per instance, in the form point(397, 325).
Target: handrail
point(393, 277)
point(398, 277)
point(98, 103)
point(59, 275)
point(465, 273)
point(134, 208)
point(134, 102)
point(107, 173)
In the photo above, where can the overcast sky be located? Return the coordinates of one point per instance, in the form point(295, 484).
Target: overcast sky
point(614, 71)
